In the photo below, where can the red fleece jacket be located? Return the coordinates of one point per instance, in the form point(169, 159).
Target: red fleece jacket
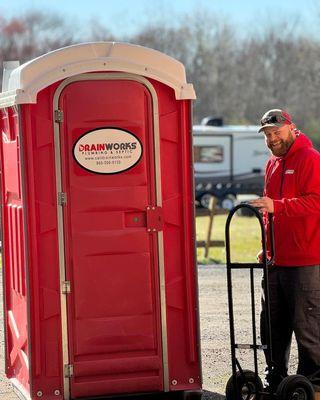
point(293, 182)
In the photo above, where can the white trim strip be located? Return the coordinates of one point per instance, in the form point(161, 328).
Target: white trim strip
point(14, 325)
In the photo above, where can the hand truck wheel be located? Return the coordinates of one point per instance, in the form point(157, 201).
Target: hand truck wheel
point(247, 386)
point(295, 387)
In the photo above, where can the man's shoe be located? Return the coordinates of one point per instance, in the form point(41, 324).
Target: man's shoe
point(272, 380)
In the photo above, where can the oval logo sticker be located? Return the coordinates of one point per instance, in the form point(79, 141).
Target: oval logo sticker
point(107, 151)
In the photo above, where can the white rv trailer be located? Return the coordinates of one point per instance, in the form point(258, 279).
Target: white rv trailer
point(228, 160)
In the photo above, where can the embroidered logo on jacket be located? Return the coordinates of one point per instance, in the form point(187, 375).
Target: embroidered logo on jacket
point(289, 171)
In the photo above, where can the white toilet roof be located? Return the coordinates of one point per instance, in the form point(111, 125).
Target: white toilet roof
point(23, 83)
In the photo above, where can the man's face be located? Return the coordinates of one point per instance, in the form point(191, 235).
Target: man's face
point(279, 139)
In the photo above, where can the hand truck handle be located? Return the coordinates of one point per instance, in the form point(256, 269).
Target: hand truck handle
point(264, 264)
point(256, 212)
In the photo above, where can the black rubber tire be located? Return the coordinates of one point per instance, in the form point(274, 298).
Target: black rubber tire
point(246, 386)
point(228, 202)
point(295, 387)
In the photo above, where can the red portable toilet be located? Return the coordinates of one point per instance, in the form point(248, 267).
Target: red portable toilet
point(97, 202)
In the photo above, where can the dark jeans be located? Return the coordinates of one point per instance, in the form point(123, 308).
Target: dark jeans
point(294, 307)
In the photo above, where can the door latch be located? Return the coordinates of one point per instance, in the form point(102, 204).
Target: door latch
point(154, 219)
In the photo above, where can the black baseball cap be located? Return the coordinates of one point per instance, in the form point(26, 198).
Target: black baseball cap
point(275, 117)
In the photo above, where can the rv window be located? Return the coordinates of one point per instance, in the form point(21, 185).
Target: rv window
point(208, 154)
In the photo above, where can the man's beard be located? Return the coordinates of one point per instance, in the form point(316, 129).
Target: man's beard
point(282, 147)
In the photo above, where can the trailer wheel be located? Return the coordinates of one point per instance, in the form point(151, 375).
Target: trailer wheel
point(295, 387)
point(205, 200)
point(228, 202)
point(247, 386)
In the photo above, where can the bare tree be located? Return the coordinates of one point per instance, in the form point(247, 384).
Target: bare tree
point(32, 34)
point(98, 32)
point(235, 78)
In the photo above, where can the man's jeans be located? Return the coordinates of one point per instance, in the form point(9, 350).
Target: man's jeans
point(294, 307)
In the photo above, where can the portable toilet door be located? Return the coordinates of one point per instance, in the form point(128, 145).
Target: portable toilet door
point(104, 133)
point(112, 265)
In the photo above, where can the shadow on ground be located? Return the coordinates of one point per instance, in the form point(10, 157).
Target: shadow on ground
point(212, 396)
point(206, 395)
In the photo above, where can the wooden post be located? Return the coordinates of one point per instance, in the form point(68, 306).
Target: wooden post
point(211, 212)
point(212, 208)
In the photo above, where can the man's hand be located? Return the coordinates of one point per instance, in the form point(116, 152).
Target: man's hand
point(259, 256)
point(265, 204)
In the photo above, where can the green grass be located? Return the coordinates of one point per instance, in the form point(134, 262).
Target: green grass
point(244, 234)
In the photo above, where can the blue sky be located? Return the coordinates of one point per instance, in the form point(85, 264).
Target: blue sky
point(125, 16)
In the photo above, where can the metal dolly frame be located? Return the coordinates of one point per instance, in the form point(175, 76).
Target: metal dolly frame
point(246, 384)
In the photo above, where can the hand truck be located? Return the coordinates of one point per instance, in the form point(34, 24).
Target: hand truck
point(245, 384)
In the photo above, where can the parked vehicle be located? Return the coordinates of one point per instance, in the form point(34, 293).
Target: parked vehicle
point(228, 160)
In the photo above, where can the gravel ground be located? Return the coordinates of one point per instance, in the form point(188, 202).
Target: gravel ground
point(215, 342)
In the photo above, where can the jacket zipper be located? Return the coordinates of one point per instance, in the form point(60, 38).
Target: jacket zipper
point(282, 178)
point(281, 185)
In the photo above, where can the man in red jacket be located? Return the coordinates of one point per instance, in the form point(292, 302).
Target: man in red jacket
point(292, 194)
